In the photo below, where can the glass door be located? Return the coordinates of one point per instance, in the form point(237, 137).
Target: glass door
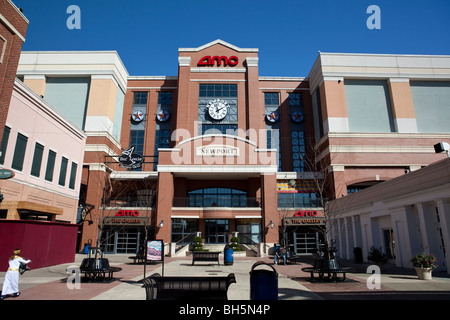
point(216, 231)
point(305, 242)
point(127, 240)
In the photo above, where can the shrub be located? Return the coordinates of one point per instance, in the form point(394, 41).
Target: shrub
point(377, 255)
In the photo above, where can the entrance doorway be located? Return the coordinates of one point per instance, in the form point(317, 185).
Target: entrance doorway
point(122, 240)
point(216, 231)
point(389, 244)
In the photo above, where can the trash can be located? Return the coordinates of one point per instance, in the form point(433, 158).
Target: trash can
point(263, 283)
point(228, 256)
point(87, 248)
point(357, 253)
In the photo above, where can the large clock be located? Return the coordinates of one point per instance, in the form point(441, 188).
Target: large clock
point(217, 109)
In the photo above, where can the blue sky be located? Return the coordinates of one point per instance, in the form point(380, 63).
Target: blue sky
point(288, 33)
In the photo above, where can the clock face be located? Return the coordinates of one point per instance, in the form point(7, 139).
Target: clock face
point(217, 109)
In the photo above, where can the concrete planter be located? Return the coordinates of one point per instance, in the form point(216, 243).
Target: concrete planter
point(423, 273)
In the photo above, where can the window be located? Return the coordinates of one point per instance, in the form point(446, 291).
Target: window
point(73, 174)
point(298, 200)
point(37, 160)
point(297, 123)
point(218, 197)
point(140, 98)
point(218, 90)
point(19, 152)
point(271, 103)
point(4, 144)
point(137, 140)
point(368, 106)
point(182, 228)
point(137, 128)
point(50, 165)
point(162, 129)
point(62, 172)
point(226, 92)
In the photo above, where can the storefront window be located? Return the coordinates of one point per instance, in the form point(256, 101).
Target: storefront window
point(217, 197)
point(183, 230)
point(249, 230)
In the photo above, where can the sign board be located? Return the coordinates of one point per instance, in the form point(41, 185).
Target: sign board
point(125, 221)
point(217, 151)
point(218, 60)
point(6, 174)
point(127, 213)
point(155, 250)
point(304, 221)
point(130, 160)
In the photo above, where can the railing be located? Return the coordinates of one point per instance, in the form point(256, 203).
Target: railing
point(186, 240)
point(215, 201)
point(130, 202)
point(293, 202)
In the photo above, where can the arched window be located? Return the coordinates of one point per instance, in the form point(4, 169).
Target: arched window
point(217, 197)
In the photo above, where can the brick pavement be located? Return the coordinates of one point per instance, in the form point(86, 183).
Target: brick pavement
point(396, 283)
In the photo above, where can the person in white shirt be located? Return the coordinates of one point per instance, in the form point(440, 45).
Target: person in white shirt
point(11, 283)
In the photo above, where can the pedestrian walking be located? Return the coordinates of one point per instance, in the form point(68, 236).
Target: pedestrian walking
point(11, 283)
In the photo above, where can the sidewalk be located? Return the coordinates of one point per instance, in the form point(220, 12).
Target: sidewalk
point(50, 283)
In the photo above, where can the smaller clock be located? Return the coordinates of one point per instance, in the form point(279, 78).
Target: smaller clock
point(297, 116)
point(137, 116)
point(217, 109)
point(272, 116)
point(162, 116)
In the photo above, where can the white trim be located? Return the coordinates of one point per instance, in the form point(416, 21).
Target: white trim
point(337, 124)
point(217, 80)
point(380, 149)
point(34, 77)
point(287, 89)
point(218, 41)
point(152, 88)
point(406, 125)
point(152, 77)
point(218, 70)
point(226, 136)
point(184, 61)
point(104, 134)
point(184, 217)
point(11, 27)
point(248, 217)
point(100, 148)
point(218, 168)
point(133, 174)
point(252, 61)
point(18, 11)
point(274, 78)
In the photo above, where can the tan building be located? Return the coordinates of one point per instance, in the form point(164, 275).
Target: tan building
point(219, 150)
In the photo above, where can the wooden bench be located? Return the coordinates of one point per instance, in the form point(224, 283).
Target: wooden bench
point(187, 288)
point(98, 269)
point(205, 256)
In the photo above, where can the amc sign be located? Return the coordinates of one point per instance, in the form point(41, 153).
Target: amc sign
point(127, 213)
point(304, 213)
point(209, 61)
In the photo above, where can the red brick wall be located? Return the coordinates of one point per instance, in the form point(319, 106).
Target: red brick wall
point(8, 67)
